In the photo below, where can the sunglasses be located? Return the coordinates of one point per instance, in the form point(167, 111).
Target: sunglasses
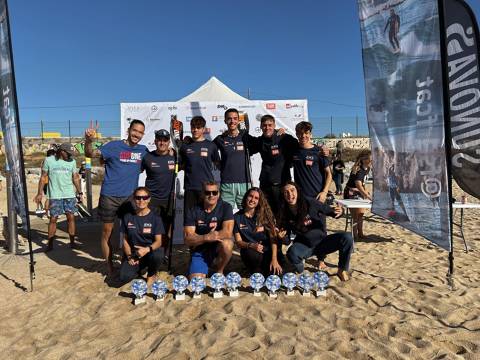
point(211, 193)
point(142, 197)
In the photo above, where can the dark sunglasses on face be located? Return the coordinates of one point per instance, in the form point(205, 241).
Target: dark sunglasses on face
point(142, 197)
point(211, 193)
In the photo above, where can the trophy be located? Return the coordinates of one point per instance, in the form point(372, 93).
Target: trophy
point(321, 279)
point(273, 283)
point(180, 283)
point(305, 281)
point(234, 281)
point(289, 281)
point(256, 282)
point(139, 289)
point(159, 289)
point(197, 284)
point(217, 282)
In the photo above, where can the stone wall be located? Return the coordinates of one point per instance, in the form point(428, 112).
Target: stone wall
point(349, 143)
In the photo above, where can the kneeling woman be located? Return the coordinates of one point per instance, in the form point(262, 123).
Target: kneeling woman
point(255, 235)
point(306, 218)
point(143, 238)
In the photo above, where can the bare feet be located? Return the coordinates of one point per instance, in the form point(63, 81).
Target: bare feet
point(343, 275)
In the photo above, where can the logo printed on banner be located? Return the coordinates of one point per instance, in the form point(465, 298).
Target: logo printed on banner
point(154, 107)
point(188, 118)
point(271, 106)
point(172, 108)
point(214, 118)
point(224, 107)
point(290, 106)
point(197, 107)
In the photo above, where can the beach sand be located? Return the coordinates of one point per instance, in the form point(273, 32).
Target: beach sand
point(398, 305)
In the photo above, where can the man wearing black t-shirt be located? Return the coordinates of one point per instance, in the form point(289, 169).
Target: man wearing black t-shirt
point(276, 152)
point(310, 167)
point(234, 172)
point(197, 159)
point(208, 231)
point(159, 165)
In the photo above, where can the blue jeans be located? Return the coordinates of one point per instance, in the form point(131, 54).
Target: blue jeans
point(338, 179)
point(341, 242)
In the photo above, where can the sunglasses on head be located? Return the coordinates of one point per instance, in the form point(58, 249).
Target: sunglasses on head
point(209, 193)
point(142, 197)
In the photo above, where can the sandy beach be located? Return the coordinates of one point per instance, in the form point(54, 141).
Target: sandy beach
point(398, 305)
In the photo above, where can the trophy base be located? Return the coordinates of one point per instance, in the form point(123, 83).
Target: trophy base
point(138, 301)
point(159, 298)
point(197, 296)
point(233, 293)
point(257, 293)
point(306, 293)
point(272, 295)
point(290, 292)
point(217, 294)
point(179, 297)
point(319, 293)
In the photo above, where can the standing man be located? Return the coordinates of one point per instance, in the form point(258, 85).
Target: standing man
point(122, 160)
point(311, 168)
point(159, 165)
point(61, 174)
point(208, 232)
point(197, 160)
point(276, 152)
point(234, 172)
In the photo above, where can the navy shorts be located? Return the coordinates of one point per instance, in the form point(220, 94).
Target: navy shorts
point(203, 259)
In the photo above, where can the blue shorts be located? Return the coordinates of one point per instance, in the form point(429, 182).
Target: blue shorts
point(202, 260)
point(62, 206)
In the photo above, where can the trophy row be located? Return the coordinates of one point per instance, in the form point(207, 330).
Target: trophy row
point(307, 282)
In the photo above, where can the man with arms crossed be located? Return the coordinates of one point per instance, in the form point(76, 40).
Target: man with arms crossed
point(122, 160)
point(208, 232)
point(60, 171)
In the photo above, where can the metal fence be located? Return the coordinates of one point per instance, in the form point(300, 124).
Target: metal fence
point(322, 126)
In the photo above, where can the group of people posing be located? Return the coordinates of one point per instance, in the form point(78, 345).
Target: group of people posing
point(278, 212)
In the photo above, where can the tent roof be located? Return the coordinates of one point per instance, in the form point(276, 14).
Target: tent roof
point(213, 90)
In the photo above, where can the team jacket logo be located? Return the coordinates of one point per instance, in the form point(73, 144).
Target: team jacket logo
point(307, 221)
point(130, 225)
point(204, 152)
point(275, 150)
point(171, 164)
point(309, 160)
point(213, 223)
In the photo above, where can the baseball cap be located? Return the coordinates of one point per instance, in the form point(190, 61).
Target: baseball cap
point(162, 134)
point(68, 148)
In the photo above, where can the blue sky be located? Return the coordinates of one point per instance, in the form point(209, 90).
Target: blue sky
point(74, 53)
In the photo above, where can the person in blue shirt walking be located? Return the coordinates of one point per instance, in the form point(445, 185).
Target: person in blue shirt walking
point(122, 160)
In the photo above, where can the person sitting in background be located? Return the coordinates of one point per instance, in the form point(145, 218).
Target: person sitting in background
point(143, 231)
point(306, 219)
point(256, 236)
point(338, 177)
point(208, 232)
point(355, 189)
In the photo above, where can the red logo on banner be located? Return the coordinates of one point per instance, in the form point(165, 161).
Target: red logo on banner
point(270, 106)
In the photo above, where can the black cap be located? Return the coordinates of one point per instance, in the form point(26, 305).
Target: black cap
point(162, 134)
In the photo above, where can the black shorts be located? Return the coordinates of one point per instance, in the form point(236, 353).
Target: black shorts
point(163, 209)
point(111, 207)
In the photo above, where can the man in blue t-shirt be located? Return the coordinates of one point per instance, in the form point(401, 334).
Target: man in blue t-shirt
point(122, 160)
point(197, 159)
point(208, 231)
point(159, 165)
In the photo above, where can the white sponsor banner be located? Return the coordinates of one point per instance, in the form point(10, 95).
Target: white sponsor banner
point(157, 115)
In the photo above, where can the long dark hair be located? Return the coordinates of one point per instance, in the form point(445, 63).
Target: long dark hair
point(262, 211)
point(285, 215)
